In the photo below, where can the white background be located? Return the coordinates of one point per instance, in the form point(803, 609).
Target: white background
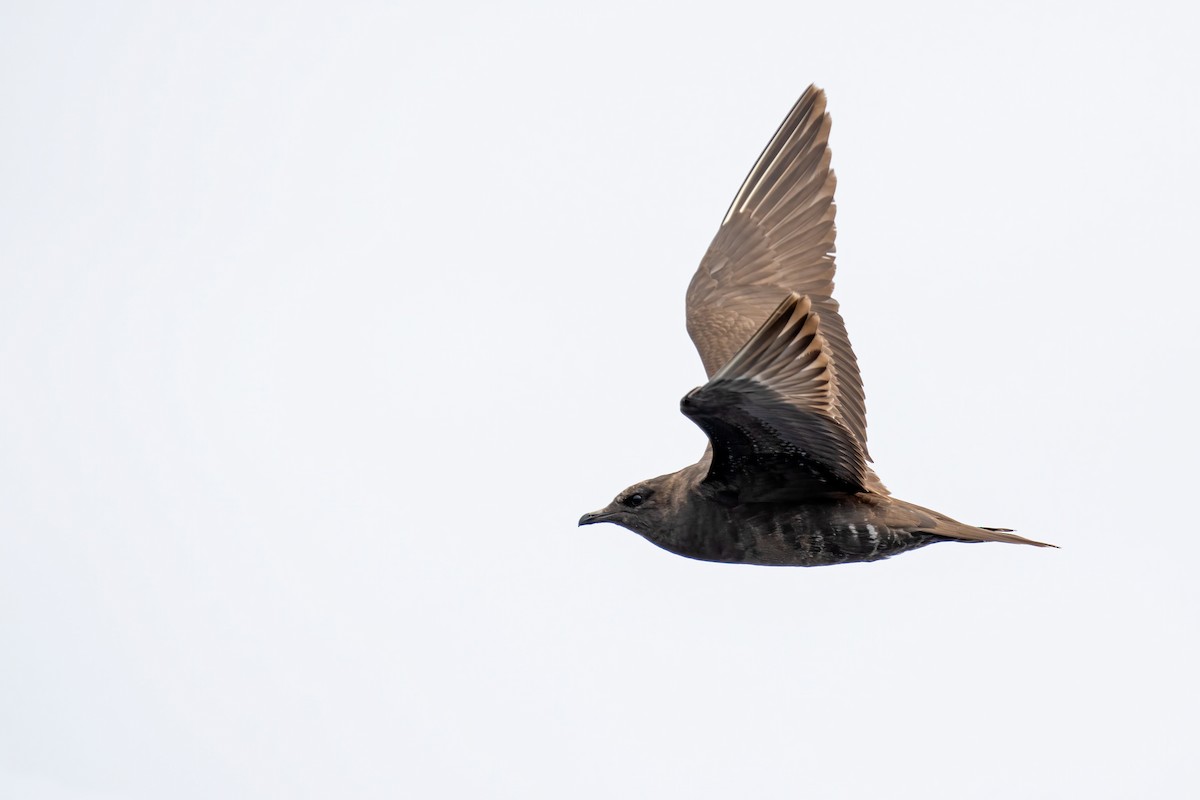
point(319, 329)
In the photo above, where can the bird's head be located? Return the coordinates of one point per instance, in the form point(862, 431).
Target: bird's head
point(643, 508)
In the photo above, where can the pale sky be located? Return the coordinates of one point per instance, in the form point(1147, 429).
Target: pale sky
point(319, 329)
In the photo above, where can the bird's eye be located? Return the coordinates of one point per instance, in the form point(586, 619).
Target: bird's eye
point(634, 500)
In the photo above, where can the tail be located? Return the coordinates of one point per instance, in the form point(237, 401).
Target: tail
point(934, 522)
point(969, 533)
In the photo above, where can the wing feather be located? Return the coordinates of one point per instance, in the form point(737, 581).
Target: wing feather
point(769, 415)
point(778, 238)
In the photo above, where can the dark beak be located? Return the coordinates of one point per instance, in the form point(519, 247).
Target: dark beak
point(591, 518)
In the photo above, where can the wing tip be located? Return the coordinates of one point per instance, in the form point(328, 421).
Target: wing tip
point(811, 105)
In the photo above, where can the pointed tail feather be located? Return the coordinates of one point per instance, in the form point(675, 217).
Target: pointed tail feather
point(932, 521)
point(970, 533)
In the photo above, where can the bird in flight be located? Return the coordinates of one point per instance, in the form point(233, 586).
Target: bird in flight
point(786, 479)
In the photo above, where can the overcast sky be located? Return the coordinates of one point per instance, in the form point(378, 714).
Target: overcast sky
point(319, 329)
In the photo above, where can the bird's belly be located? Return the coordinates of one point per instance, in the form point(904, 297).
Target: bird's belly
point(803, 541)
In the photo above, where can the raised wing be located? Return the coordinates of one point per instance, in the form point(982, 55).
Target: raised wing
point(769, 414)
point(778, 238)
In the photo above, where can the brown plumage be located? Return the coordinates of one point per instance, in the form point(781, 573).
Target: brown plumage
point(786, 479)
